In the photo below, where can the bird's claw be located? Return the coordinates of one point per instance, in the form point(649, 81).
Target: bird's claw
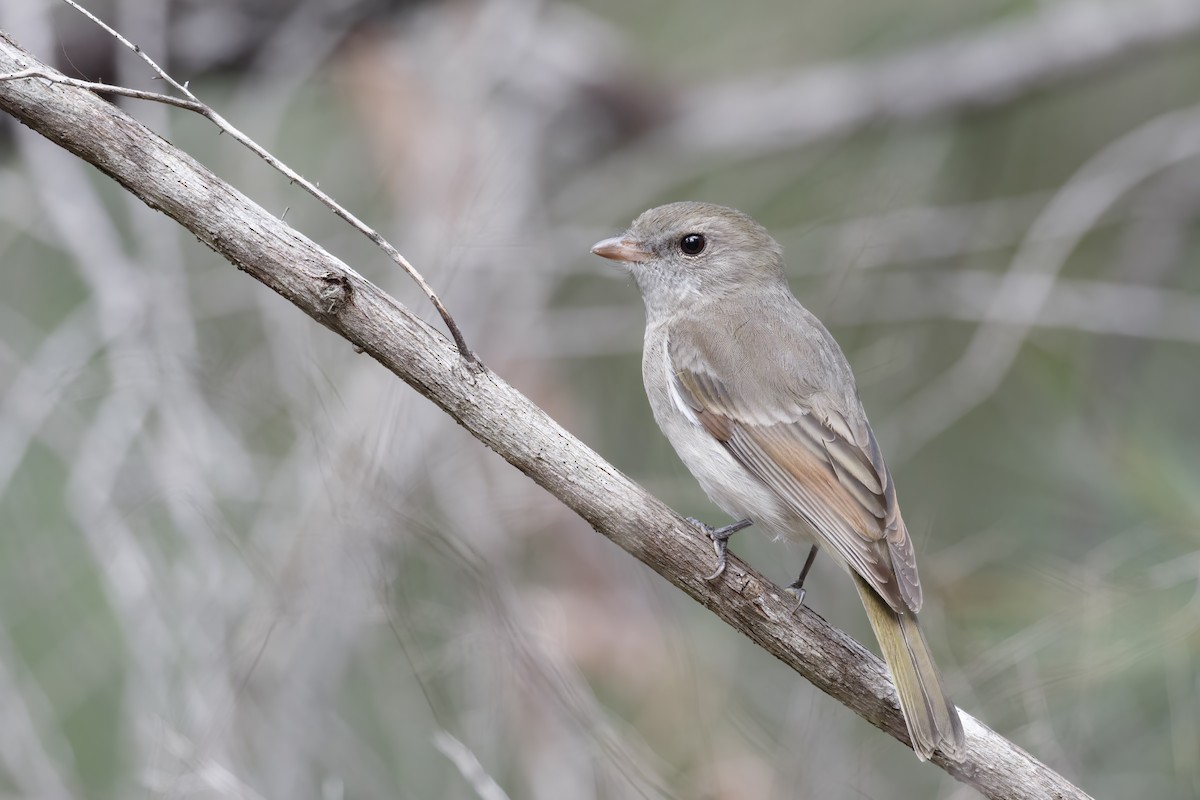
point(796, 587)
point(721, 546)
point(798, 593)
point(720, 540)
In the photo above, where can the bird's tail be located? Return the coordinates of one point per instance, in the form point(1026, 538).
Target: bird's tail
point(930, 715)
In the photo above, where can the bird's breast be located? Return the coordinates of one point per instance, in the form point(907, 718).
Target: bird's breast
point(726, 482)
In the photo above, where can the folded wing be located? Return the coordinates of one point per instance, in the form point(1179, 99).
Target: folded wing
point(821, 460)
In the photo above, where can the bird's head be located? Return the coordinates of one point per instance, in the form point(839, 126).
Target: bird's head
point(684, 253)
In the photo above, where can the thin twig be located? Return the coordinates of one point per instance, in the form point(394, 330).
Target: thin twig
point(195, 105)
point(55, 77)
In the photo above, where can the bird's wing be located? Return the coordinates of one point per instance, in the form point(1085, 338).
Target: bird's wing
point(821, 460)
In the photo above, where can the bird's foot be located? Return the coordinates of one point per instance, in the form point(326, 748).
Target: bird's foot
point(720, 540)
point(796, 587)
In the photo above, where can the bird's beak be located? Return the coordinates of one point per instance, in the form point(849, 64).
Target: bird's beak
point(621, 248)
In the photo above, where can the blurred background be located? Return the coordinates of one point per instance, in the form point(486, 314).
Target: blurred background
point(239, 560)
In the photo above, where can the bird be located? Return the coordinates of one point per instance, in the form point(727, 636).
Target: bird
point(761, 405)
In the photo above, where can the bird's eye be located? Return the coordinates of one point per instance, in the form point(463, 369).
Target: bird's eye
point(692, 244)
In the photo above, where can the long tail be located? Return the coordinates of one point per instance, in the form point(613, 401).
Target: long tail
point(930, 715)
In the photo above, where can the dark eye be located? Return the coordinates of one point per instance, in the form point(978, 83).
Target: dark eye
point(692, 244)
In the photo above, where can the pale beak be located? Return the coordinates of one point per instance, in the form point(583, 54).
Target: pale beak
point(620, 248)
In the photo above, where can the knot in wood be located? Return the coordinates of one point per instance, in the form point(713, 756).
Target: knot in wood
point(335, 292)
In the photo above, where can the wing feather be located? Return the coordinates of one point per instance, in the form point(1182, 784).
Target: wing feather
point(833, 479)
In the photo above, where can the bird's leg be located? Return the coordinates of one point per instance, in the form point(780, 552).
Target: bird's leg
point(796, 587)
point(720, 538)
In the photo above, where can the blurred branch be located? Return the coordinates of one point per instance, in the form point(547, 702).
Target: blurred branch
point(1107, 308)
point(1095, 307)
point(333, 294)
point(919, 234)
point(468, 765)
point(26, 712)
point(765, 114)
point(1071, 215)
point(971, 71)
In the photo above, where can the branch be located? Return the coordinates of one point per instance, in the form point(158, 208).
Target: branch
point(769, 113)
point(972, 71)
point(1073, 213)
point(192, 103)
point(333, 294)
point(468, 766)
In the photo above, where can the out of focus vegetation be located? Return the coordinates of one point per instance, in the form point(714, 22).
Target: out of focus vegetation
point(238, 560)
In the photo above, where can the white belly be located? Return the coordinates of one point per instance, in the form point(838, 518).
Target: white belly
point(726, 482)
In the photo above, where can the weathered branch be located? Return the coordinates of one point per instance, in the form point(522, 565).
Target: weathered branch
point(502, 418)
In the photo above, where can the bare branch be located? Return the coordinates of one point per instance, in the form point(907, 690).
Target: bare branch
point(181, 88)
point(332, 293)
point(56, 77)
point(194, 104)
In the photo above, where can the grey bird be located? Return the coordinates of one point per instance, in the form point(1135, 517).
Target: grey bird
point(760, 403)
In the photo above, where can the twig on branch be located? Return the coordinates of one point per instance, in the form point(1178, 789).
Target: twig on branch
point(94, 86)
point(192, 103)
point(326, 289)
